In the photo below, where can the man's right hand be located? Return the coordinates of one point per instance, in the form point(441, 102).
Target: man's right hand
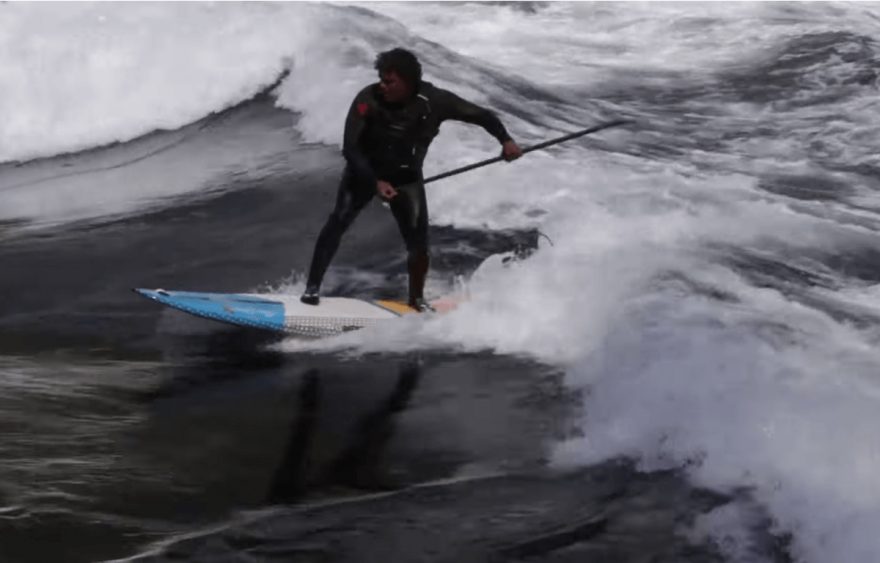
point(510, 150)
point(385, 190)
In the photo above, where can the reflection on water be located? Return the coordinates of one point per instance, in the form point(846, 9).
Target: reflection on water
point(358, 465)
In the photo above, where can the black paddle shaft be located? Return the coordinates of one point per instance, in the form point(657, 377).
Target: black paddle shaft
point(539, 146)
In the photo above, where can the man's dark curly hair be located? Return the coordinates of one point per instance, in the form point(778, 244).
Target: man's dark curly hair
point(402, 62)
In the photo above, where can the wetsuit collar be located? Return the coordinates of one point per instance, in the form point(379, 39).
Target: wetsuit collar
point(415, 94)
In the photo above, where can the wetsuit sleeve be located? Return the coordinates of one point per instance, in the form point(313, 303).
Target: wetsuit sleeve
point(355, 124)
point(458, 109)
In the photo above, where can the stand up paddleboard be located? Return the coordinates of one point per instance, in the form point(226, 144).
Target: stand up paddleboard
point(285, 313)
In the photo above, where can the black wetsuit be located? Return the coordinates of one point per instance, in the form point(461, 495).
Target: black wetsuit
point(389, 142)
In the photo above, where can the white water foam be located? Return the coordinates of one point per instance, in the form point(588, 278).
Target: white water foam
point(77, 75)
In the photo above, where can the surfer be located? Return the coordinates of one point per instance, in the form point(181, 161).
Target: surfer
point(388, 129)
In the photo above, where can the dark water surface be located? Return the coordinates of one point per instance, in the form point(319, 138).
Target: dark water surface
point(125, 424)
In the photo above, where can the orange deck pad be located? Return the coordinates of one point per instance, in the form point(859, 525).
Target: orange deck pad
point(443, 305)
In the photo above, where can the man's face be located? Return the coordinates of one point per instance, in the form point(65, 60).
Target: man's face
point(392, 87)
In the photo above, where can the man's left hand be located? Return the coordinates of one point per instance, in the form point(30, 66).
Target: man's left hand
point(510, 150)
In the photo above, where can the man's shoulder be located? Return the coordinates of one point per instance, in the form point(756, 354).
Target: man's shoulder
point(430, 91)
point(367, 93)
point(440, 99)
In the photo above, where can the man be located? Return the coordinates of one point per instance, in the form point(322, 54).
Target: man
point(388, 130)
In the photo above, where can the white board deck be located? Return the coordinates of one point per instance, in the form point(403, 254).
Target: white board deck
point(285, 313)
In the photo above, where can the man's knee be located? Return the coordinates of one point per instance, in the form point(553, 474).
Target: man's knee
point(340, 220)
point(417, 251)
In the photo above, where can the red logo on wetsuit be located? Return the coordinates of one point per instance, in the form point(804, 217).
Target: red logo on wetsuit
point(363, 108)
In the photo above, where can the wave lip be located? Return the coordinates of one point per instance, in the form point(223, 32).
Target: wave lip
point(76, 76)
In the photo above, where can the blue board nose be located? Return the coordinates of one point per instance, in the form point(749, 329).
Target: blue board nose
point(242, 310)
point(151, 293)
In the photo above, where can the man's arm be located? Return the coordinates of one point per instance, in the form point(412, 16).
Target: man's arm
point(355, 124)
point(459, 109)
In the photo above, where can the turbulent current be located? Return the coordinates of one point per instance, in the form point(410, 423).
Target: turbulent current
point(683, 365)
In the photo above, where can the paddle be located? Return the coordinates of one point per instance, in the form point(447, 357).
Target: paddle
point(539, 146)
